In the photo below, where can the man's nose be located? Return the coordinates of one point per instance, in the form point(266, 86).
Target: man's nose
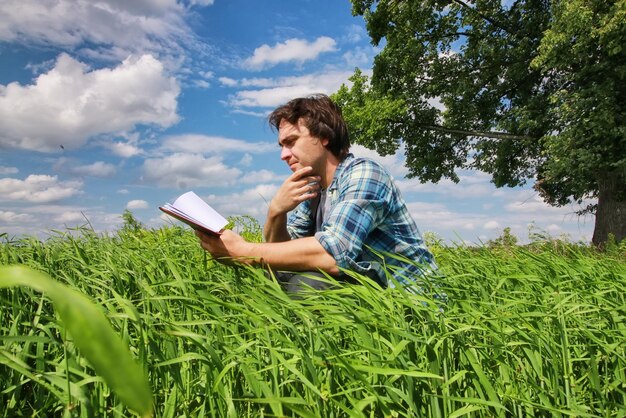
point(285, 153)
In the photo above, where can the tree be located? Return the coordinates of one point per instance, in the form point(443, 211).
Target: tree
point(534, 90)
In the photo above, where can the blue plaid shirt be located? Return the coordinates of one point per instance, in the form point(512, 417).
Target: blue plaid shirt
point(367, 227)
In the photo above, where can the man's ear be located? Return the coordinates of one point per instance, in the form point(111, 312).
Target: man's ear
point(325, 142)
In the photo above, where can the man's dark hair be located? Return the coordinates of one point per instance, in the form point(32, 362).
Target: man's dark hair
point(322, 118)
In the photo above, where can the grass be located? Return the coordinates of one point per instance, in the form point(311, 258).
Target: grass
point(538, 330)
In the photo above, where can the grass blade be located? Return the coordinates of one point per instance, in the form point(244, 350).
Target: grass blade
point(92, 334)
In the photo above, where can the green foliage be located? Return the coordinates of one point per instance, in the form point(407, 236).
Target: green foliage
point(507, 239)
point(92, 335)
point(363, 113)
point(534, 331)
point(131, 224)
point(535, 89)
point(582, 51)
point(493, 115)
point(246, 226)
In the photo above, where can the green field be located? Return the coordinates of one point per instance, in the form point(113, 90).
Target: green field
point(538, 330)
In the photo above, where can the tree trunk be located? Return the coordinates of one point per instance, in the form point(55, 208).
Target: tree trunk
point(611, 211)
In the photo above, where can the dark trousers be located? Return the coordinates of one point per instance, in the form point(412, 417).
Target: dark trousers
point(298, 282)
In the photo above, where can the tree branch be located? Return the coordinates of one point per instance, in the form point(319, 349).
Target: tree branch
point(494, 135)
point(443, 35)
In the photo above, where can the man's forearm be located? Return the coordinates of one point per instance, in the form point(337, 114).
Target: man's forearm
point(302, 254)
point(275, 228)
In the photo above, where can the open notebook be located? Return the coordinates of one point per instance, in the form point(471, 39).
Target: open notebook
point(196, 213)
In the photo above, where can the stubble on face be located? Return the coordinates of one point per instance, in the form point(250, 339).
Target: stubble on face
point(299, 148)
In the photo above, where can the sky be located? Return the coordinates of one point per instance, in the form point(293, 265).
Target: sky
point(114, 105)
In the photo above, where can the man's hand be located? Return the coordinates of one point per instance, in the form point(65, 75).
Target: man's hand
point(303, 254)
point(229, 246)
point(298, 187)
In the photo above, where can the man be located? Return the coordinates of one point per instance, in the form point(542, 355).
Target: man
point(334, 213)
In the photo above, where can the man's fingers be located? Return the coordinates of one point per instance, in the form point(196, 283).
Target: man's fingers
point(298, 174)
point(309, 181)
point(310, 188)
point(201, 235)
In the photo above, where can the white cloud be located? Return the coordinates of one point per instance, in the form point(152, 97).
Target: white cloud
point(97, 169)
point(354, 34)
point(123, 191)
point(264, 82)
point(471, 185)
point(202, 84)
point(10, 217)
point(70, 217)
point(189, 170)
point(204, 144)
point(251, 113)
point(38, 189)
point(531, 203)
point(357, 57)
point(70, 104)
point(436, 217)
point(297, 50)
point(491, 225)
point(470, 221)
point(48, 217)
point(252, 202)
point(137, 204)
point(246, 160)
point(478, 208)
point(201, 2)
point(114, 28)
point(280, 90)
point(554, 228)
point(227, 81)
point(124, 150)
point(271, 97)
point(261, 176)
point(8, 170)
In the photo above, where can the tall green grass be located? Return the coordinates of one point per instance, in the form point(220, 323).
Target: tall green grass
point(527, 331)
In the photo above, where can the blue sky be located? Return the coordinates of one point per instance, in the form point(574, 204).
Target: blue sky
point(114, 105)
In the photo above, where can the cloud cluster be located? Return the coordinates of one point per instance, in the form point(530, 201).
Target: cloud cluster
point(205, 144)
point(8, 170)
point(97, 169)
point(137, 204)
point(516, 208)
point(186, 171)
point(38, 188)
point(252, 202)
point(292, 50)
point(123, 149)
point(266, 92)
point(10, 217)
point(113, 28)
point(70, 103)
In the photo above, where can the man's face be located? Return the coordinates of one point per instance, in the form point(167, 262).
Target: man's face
point(299, 149)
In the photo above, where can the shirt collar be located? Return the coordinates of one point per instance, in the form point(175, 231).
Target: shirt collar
point(340, 167)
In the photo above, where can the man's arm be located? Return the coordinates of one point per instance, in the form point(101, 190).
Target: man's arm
point(275, 228)
point(302, 254)
point(298, 187)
